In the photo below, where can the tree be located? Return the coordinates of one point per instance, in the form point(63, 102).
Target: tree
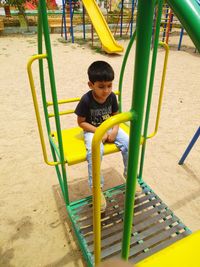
point(20, 5)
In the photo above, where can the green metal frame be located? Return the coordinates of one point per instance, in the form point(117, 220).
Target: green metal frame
point(138, 111)
point(142, 48)
point(143, 28)
point(43, 29)
point(150, 90)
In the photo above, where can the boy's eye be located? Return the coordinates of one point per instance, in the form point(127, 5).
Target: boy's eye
point(103, 87)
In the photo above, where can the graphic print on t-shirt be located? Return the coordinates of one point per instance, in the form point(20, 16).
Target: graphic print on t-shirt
point(100, 115)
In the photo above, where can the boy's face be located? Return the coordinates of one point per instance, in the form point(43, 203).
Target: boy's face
point(101, 90)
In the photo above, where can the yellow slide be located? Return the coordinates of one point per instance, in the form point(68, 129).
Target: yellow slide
point(108, 42)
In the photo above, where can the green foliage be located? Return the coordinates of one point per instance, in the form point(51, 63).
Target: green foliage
point(18, 4)
point(14, 3)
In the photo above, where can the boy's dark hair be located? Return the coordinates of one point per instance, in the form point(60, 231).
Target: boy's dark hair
point(100, 71)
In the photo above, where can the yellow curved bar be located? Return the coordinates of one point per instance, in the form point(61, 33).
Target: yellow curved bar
point(35, 102)
point(184, 253)
point(166, 47)
point(64, 101)
point(96, 162)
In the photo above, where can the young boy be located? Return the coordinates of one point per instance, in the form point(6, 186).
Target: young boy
point(96, 106)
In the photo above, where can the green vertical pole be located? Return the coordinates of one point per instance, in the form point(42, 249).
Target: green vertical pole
point(42, 85)
point(151, 82)
point(144, 32)
point(54, 94)
point(41, 69)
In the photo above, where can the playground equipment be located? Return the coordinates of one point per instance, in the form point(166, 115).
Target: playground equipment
point(168, 22)
point(130, 7)
point(190, 146)
point(121, 19)
point(168, 25)
point(98, 21)
point(133, 226)
point(108, 42)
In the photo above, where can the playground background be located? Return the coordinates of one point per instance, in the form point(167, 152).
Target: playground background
point(74, 23)
point(34, 228)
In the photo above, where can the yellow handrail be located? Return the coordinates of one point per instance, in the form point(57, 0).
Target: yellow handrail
point(69, 111)
point(35, 102)
point(96, 159)
point(96, 162)
point(65, 101)
point(166, 47)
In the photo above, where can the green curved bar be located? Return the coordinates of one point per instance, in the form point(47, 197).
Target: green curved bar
point(188, 12)
point(123, 69)
point(151, 83)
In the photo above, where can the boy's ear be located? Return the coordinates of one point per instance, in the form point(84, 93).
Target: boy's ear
point(90, 84)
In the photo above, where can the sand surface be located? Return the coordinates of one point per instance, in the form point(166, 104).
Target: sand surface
point(34, 228)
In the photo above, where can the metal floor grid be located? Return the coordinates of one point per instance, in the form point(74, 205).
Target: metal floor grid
point(154, 225)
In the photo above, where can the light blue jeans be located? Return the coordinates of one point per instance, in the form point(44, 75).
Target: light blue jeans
point(121, 141)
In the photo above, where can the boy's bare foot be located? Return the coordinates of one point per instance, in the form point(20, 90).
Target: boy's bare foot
point(138, 188)
point(103, 202)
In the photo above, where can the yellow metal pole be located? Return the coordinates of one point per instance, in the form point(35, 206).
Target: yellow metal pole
point(35, 102)
point(166, 47)
point(96, 162)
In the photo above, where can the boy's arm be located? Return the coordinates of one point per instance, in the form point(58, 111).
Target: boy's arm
point(112, 135)
point(89, 127)
point(85, 125)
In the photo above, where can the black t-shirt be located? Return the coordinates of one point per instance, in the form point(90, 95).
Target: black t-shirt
point(94, 112)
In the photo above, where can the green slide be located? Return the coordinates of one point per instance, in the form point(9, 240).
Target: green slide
point(188, 12)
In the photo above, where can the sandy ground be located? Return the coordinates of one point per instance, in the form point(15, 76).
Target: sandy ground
point(34, 228)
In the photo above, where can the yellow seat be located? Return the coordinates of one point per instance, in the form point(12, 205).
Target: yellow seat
point(183, 253)
point(74, 146)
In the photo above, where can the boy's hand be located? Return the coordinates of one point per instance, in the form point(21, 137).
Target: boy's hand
point(111, 136)
point(105, 137)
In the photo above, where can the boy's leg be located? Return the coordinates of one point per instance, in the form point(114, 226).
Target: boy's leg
point(122, 142)
point(88, 142)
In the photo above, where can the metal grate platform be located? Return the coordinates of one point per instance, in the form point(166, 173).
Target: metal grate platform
point(154, 225)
